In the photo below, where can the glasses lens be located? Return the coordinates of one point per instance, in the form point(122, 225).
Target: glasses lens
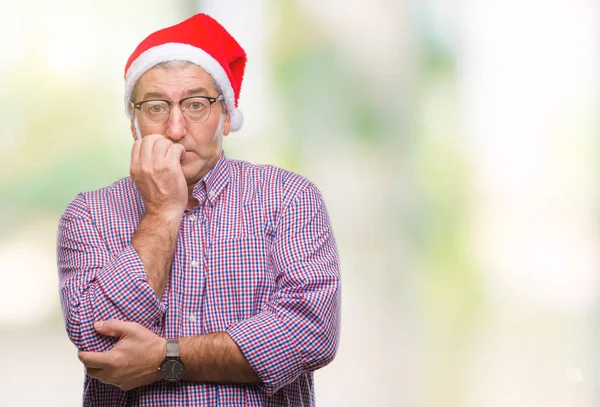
point(155, 113)
point(196, 109)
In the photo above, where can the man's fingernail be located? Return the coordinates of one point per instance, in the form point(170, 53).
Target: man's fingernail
point(98, 324)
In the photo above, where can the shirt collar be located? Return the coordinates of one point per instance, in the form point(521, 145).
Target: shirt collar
point(214, 182)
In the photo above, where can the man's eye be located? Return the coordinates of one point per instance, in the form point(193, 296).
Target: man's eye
point(156, 108)
point(196, 106)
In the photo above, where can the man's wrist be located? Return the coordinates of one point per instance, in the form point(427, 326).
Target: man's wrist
point(159, 359)
point(162, 355)
point(164, 217)
point(163, 350)
point(172, 369)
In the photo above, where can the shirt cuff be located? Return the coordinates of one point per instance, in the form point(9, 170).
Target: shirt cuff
point(269, 348)
point(125, 283)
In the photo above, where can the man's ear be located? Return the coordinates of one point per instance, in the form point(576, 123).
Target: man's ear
point(226, 124)
point(132, 128)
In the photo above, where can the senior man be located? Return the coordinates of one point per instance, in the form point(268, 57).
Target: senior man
point(197, 280)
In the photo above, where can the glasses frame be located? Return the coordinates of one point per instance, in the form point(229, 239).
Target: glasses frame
point(210, 99)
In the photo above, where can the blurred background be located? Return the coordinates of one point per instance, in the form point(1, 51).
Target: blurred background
point(456, 145)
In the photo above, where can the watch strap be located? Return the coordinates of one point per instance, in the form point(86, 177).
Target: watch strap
point(172, 348)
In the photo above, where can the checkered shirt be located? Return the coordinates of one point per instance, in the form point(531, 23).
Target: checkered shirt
point(256, 259)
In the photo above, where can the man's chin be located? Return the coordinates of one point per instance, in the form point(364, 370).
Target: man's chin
point(192, 171)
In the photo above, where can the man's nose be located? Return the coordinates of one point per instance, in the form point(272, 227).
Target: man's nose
point(177, 125)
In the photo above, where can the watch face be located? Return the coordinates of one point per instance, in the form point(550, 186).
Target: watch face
point(172, 370)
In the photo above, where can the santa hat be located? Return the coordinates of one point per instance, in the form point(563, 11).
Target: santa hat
point(200, 40)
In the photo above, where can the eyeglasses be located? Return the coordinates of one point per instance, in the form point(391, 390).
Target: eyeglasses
point(195, 109)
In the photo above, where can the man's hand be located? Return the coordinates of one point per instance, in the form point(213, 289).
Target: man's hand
point(156, 170)
point(132, 362)
point(158, 176)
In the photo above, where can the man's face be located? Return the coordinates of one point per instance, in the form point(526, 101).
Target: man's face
point(202, 141)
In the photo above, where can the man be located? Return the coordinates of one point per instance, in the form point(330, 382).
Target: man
point(197, 280)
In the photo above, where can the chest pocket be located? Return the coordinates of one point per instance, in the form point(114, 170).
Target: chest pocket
point(240, 279)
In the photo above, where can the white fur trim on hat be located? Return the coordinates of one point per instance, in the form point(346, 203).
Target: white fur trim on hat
point(184, 52)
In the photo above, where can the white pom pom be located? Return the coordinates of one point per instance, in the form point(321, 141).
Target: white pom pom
point(237, 120)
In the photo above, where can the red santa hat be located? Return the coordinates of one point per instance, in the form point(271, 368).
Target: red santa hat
point(200, 40)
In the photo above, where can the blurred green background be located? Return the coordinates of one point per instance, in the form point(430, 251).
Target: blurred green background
point(456, 145)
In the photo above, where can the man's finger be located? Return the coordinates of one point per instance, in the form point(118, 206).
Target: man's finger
point(147, 147)
point(114, 327)
point(175, 152)
point(161, 147)
point(94, 360)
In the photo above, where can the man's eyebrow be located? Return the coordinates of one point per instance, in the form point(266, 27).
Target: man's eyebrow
point(196, 91)
point(190, 92)
point(153, 95)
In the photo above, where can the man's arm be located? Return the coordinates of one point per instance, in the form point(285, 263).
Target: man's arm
point(154, 241)
point(134, 360)
point(296, 332)
point(215, 358)
point(94, 284)
point(156, 171)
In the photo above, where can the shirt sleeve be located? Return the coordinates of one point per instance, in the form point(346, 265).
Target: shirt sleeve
point(298, 329)
point(97, 285)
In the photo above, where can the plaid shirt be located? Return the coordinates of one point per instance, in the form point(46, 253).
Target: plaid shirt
point(256, 258)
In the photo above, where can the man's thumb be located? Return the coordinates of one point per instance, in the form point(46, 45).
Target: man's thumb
point(111, 327)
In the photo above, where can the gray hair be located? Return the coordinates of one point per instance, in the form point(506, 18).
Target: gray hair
point(174, 64)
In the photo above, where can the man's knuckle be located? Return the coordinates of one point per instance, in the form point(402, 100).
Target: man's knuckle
point(164, 142)
point(112, 361)
point(146, 169)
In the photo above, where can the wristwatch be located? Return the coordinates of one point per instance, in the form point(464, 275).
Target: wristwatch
point(172, 368)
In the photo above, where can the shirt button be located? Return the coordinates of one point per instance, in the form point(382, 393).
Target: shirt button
point(211, 194)
point(194, 263)
point(192, 317)
point(192, 218)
